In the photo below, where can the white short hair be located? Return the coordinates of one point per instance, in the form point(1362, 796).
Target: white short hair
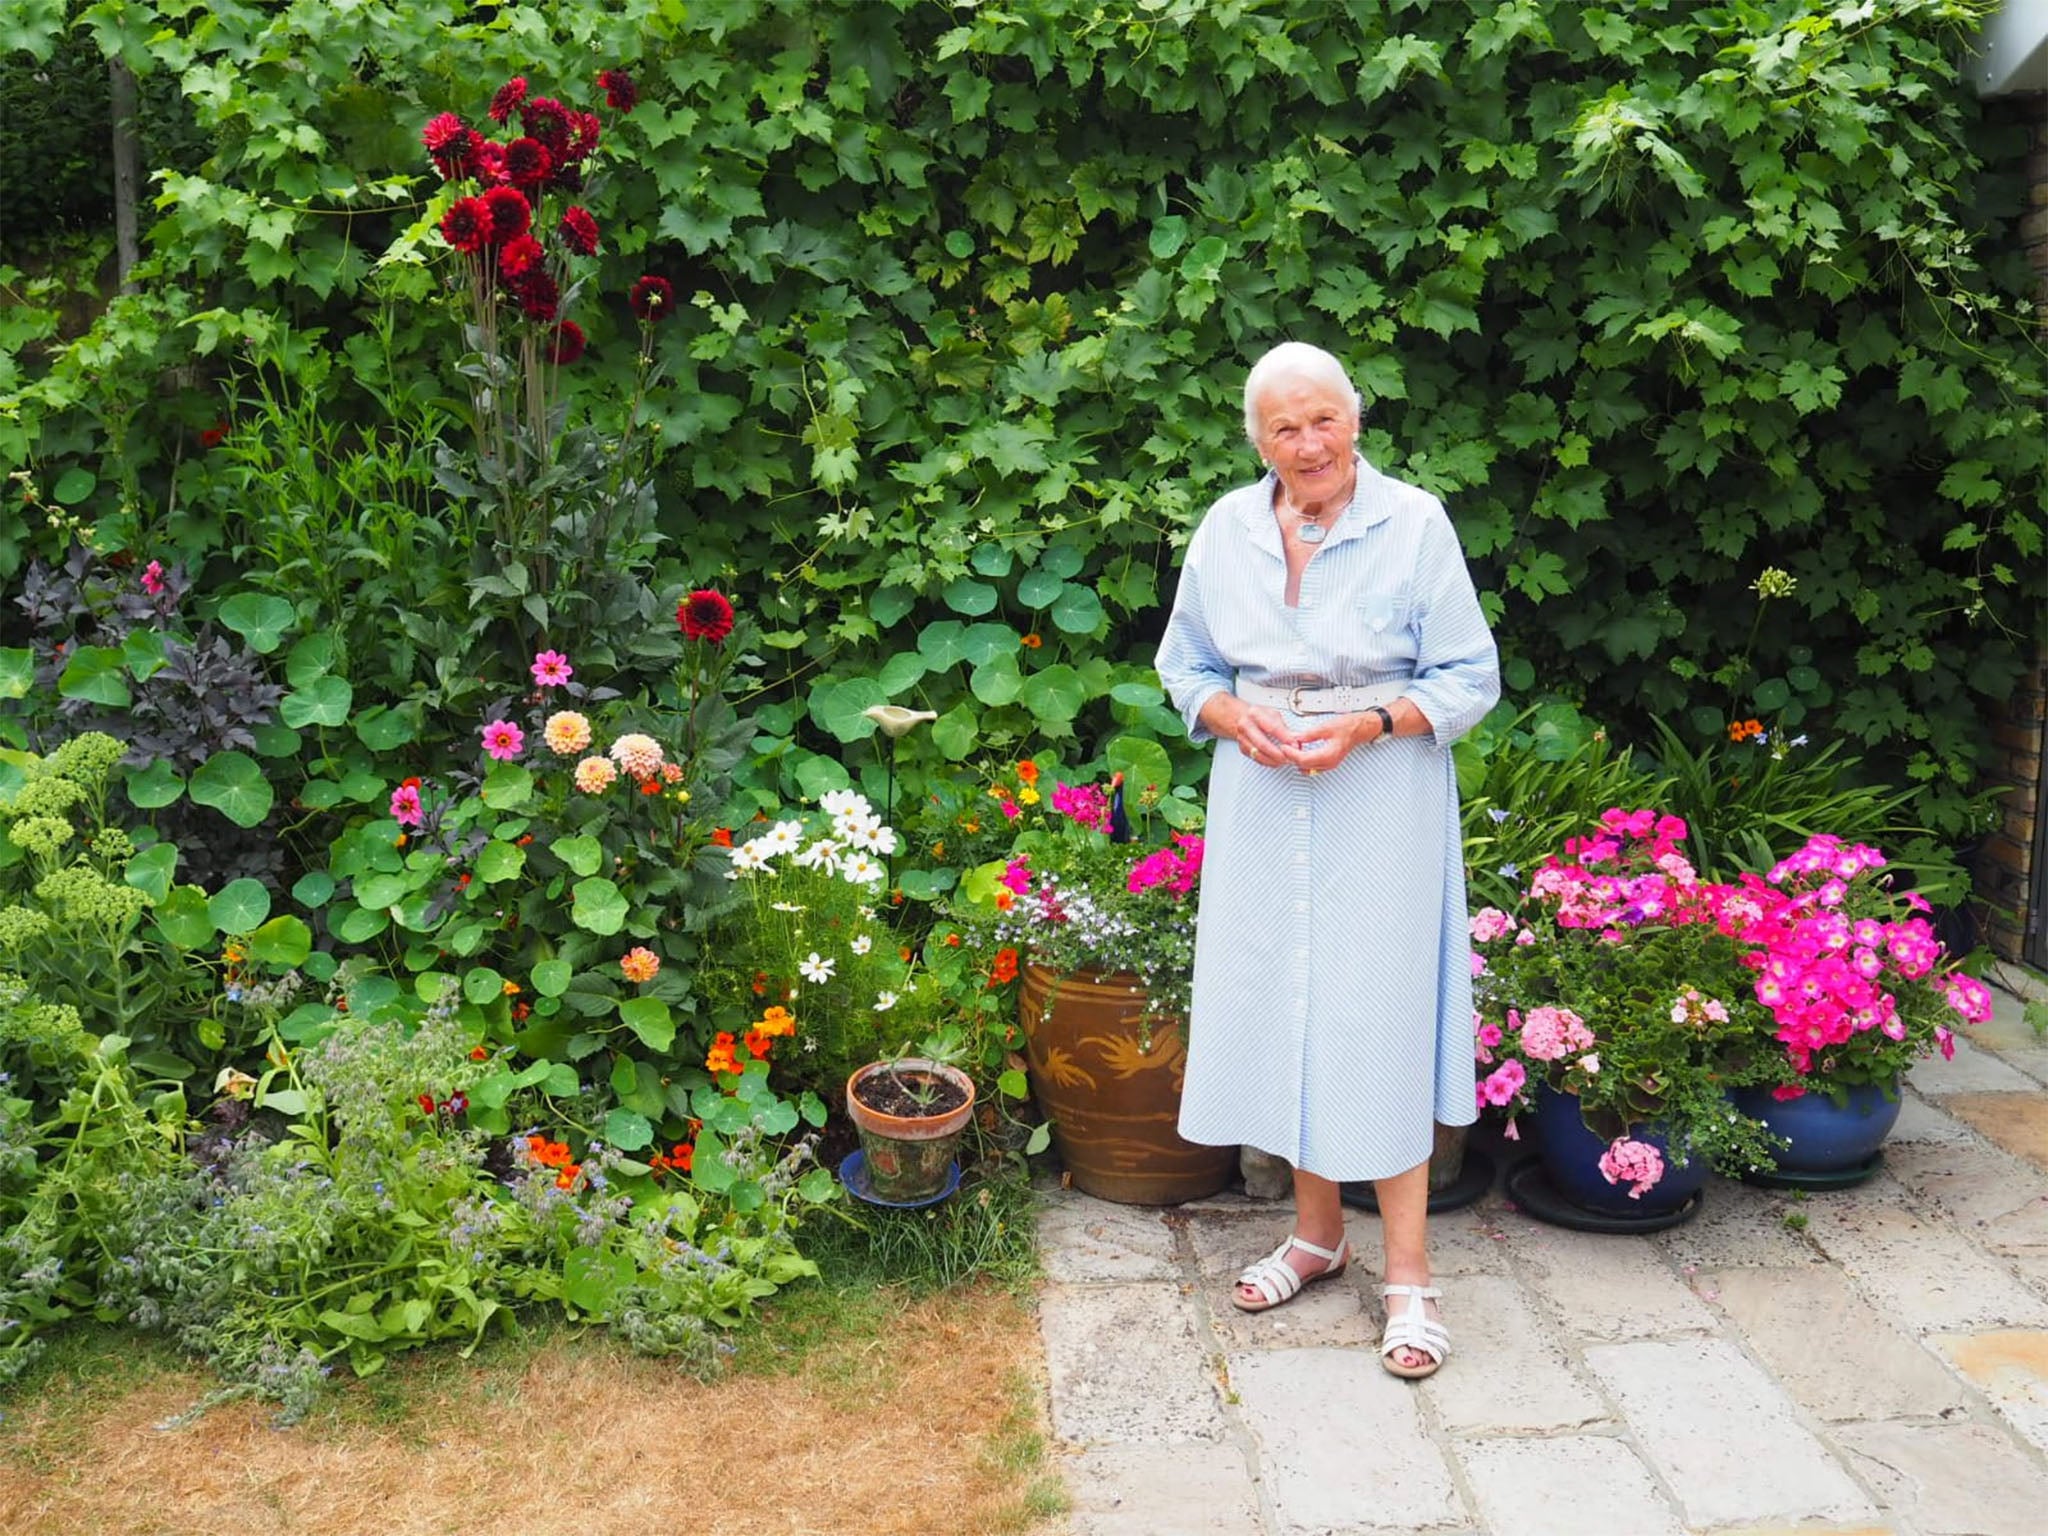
point(1294, 360)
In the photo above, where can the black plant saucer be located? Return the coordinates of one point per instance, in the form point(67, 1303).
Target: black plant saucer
point(1530, 1187)
point(1474, 1180)
point(1840, 1178)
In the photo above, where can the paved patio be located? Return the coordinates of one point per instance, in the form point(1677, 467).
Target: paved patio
point(1879, 1367)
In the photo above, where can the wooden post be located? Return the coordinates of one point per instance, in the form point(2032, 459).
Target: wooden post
point(127, 160)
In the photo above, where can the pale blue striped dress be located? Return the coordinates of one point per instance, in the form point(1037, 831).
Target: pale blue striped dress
point(1332, 1016)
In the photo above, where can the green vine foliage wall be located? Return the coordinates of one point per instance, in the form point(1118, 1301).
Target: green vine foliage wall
point(1656, 296)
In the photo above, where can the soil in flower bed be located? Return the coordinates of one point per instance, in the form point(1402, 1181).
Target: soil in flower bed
point(917, 1096)
point(906, 1418)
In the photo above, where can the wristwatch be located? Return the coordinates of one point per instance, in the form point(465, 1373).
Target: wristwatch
point(1386, 720)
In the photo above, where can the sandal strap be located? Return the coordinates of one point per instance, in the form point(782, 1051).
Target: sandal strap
point(1275, 1282)
point(1426, 1292)
point(1328, 1255)
point(1431, 1338)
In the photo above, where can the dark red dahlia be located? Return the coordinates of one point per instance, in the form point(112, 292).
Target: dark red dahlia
point(705, 615)
point(652, 299)
point(467, 225)
point(527, 162)
point(510, 94)
point(585, 129)
point(520, 255)
point(487, 160)
point(511, 214)
point(620, 93)
point(569, 342)
point(441, 131)
point(546, 119)
point(579, 231)
point(539, 298)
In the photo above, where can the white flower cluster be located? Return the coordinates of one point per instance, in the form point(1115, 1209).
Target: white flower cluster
point(858, 835)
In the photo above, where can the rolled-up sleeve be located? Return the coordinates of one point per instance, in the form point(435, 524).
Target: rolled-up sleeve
point(1190, 668)
point(1457, 668)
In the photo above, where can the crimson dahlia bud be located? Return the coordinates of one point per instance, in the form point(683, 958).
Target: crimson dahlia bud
point(568, 342)
point(510, 213)
point(527, 162)
point(510, 94)
point(539, 298)
point(579, 231)
point(652, 299)
point(521, 255)
point(467, 225)
point(705, 615)
point(620, 93)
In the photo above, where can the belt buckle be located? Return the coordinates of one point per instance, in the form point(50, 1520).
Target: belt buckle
point(1294, 700)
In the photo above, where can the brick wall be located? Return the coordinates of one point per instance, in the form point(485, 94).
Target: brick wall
point(2006, 867)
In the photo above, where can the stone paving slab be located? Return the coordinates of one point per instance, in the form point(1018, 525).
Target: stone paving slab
point(1604, 1287)
point(1091, 1241)
point(1724, 1436)
point(1833, 1352)
point(1737, 1227)
point(1951, 1479)
point(1920, 1271)
point(2011, 1369)
point(1527, 1383)
point(2017, 1122)
point(1921, 1121)
point(1974, 1070)
point(1342, 1444)
point(1129, 1365)
point(1148, 1490)
point(1572, 1485)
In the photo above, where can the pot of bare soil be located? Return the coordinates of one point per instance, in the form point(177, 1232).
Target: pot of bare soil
point(909, 1115)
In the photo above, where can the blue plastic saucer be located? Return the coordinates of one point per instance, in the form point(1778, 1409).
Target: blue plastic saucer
point(853, 1173)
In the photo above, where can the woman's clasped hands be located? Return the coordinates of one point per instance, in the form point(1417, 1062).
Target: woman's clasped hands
point(1263, 736)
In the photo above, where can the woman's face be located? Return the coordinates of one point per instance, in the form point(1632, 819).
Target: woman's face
point(1306, 433)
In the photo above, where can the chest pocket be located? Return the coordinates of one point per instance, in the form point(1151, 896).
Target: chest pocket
point(1383, 612)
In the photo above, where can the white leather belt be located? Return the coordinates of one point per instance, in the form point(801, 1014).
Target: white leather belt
point(1320, 701)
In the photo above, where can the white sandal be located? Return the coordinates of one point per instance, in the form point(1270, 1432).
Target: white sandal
point(1277, 1282)
point(1413, 1328)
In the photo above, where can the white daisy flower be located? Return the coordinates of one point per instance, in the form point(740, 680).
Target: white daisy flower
point(785, 906)
point(885, 1002)
point(823, 854)
point(748, 857)
point(859, 869)
point(839, 801)
point(783, 837)
point(817, 969)
point(867, 914)
point(862, 944)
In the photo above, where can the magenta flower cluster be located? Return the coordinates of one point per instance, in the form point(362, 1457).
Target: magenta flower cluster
point(1086, 805)
point(1177, 866)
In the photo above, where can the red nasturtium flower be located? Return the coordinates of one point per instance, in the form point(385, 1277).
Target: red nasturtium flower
point(652, 299)
point(705, 615)
point(214, 435)
point(620, 93)
point(467, 225)
point(569, 342)
point(510, 94)
point(579, 231)
point(721, 837)
point(511, 214)
point(528, 162)
point(521, 255)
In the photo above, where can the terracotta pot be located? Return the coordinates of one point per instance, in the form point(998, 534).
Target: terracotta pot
point(908, 1156)
point(1112, 1103)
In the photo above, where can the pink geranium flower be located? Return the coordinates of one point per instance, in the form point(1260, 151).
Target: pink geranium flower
point(551, 669)
point(1634, 1163)
point(503, 740)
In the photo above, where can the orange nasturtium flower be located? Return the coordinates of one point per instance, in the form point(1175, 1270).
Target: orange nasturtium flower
point(719, 1057)
point(1033, 641)
point(1027, 772)
point(777, 1021)
point(758, 1043)
point(1005, 899)
point(1005, 967)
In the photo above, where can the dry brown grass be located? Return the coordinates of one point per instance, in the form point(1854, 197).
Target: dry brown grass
point(923, 1424)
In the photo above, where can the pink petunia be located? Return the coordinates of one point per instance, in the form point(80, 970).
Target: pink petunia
point(503, 740)
point(405, 805)
point(551, 669)
point(153, 577)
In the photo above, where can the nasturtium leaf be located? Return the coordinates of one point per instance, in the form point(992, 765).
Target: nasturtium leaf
point(1013, 1084)
point(313, 888)
point(312, 657)
point(258, 618)
point(97, 675)
point(1063, 560)
point(939, 644)
point(507, 786)
point(1142, 762)
point(499, 861)
point(364, 787)
point(74, 485)
point(900, 672)
point(955, 731)
point(384, 891)
point(143, 654)
point(157, 785)
point(150, 870)
point(1771, 695)
point(284, 940)
point(182, 918)
point(627, 1130)
point(818, 1186)
point(231, 783)
point(598, 907)
point(239, 906)
point(323, 701)
point(482, 985)
point(648, 1017)
point(991, 559)
point(818, 775)
point(1038, 588)
point(356, 925)
point(888, 605)
point(1055, 695)
point(1078, 611)
point(17, 671)
point(274, 740)
point(560, 1081)
point(583, 855)
point(1138, 695)
point(997, 682)
point(551, 977)
point(320, 794)
point(839, 706)
point(970, 597)
point(383, 730)
point(985, 642)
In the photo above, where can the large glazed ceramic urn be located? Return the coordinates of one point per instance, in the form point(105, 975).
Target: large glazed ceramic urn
point(1110, 1087)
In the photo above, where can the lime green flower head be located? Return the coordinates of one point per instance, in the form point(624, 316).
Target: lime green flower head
point(46, 796)
point(86, 759)
point(40, 835)
point(19, 925)
point(83, 895)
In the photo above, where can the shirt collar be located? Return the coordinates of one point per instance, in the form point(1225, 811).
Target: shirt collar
point(1369, 505)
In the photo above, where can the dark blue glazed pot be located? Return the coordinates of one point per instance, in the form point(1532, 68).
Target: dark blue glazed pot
point(1825, 1138)
point(1571, 1156)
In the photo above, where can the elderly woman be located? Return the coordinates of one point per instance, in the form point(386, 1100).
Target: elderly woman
point(1327, 634)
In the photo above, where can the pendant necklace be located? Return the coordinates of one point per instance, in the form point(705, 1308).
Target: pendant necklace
point(1310, 532)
